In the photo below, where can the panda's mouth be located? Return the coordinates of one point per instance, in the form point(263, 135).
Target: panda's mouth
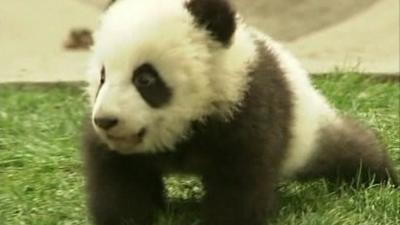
point(116, 138)
point(123, 144)
point(134, 139)
point(129, 139)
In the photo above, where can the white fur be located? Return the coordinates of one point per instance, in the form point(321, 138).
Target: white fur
point(204, 77)
point(311, 110)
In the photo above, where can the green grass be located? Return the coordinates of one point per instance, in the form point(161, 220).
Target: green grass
point(41, 180)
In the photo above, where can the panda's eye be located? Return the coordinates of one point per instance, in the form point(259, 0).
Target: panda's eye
point(102, 75)
point(145, 79)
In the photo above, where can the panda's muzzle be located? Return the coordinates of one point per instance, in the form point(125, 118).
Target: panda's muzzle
point(108, 129)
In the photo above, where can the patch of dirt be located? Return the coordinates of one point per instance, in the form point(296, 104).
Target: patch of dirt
point(79, 38)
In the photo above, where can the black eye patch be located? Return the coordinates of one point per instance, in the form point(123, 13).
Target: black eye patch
point(150, 86)
point(102, 75)
point(102, 79)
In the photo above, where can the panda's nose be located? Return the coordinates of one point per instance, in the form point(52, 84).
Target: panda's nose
point(106, 123)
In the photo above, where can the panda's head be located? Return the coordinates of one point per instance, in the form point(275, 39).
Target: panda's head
point(157, 66)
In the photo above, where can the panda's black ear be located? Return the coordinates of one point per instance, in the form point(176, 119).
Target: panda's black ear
point(216, 16)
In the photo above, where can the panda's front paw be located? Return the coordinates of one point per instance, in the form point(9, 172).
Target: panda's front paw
point(133, 214)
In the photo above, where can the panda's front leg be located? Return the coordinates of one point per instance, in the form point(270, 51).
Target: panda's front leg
point(239, 195)
point(122, 190)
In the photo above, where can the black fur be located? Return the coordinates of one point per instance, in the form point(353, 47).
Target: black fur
point(216, 16)
point(123, 190)
point(350, 153)
point(238, 161)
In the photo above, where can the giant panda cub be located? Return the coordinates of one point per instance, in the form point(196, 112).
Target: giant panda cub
point(186, 87)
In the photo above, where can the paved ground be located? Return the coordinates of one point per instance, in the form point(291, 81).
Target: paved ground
point(31, 37)
point(349, 34)
point(367, 42)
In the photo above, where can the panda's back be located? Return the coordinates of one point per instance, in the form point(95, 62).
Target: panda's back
point(310, 112)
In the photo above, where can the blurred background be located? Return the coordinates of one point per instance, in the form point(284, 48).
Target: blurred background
point(341, 35)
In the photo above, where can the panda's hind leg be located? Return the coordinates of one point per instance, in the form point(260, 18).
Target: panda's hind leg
point(349, 152)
